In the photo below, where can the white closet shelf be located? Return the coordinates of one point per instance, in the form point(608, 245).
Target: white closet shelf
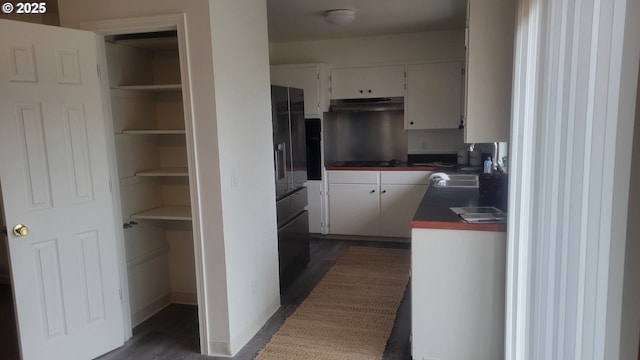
point(171, 212)
point(176, 171)
point(154, 132)
point(153, 87)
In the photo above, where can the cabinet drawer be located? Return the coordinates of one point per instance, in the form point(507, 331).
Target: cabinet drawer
point(290, 206)
point(353, 177)
point(404, 177)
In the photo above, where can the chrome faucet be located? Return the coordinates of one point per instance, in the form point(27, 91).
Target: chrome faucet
point(496, 164)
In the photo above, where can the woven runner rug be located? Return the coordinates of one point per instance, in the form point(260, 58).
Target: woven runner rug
point(350, 313)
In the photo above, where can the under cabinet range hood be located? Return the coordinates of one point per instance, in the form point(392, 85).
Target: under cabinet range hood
point(369, 104)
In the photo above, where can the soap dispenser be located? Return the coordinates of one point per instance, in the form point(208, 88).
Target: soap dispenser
point(487, 165)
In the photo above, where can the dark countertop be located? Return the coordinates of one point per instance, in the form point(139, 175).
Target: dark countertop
point(402, 167)
point(434, 213)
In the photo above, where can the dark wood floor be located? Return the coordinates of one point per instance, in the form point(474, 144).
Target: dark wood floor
point(173, 332)
point(8, 334)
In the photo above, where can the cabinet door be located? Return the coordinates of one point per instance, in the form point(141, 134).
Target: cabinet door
point(353, 209)
point(490, 38)
point(398, 204)
point(385, 81)
point(348, 83)
point(434, 95)
point(367, 82)
point(315, 206)
point(305, 77)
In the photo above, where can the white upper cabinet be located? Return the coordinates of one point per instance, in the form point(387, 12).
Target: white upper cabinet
point(367, 82)
point(489, 42)
point(312, 78)
point(434, 95)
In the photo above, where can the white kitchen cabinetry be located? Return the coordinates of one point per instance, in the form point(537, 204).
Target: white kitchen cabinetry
point(315, 201)
point(400, 195)
point(434, 95)
point(374, 203)
point(367, 82)
point(490, 45)
point(458, 294)
point(354, 202)
point(152, 163)
point(312, 78)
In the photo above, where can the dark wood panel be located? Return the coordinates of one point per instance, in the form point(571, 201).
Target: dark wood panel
point(8, 333)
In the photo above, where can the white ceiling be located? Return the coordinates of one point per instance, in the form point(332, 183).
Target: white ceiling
point(297, 20)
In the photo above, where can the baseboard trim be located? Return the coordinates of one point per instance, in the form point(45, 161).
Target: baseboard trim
point(184, 298)
point(231, 348)
point(243, 338)
point(150, 309)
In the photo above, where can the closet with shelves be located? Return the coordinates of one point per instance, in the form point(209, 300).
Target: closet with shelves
point(153, 170)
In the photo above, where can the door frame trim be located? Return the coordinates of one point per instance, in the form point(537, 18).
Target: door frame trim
point(138, 25)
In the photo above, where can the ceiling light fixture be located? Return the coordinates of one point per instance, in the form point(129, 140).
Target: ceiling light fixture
point(340, 16)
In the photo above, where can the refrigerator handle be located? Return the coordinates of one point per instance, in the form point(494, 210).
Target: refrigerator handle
point(280, 154)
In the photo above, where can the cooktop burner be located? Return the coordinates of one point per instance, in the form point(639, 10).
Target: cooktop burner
point(368, 163)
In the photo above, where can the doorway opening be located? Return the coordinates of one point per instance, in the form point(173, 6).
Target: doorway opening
point(151, 150)
point(8, 326)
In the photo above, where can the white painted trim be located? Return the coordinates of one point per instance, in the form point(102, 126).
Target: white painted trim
point(186, 298)
point(135, 24)
point(151, 309)
point(115, 186)
point(148, 256)
point(231, 348)
point(250, 331)
point(160, 23)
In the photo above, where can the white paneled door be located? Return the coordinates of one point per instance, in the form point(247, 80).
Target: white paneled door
point(55, 183)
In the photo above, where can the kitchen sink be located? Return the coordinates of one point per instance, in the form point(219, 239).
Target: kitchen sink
point(457, 180)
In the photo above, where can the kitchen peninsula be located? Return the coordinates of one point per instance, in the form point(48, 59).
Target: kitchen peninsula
point(458, 279)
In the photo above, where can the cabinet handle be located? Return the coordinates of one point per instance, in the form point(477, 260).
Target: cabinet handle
point(411, 122)
point(372, 191)
point(361, 91)
point(369, 91)
point(384, 191)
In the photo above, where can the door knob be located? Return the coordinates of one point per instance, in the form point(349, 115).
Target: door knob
point(20, 230)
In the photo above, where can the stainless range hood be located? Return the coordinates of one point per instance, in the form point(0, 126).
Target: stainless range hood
point(370, 104)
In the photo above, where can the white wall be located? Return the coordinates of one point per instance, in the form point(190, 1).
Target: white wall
point(429, 46)
point(390, 49)
point(228, 61)
point(435, 141)
point(243, 107)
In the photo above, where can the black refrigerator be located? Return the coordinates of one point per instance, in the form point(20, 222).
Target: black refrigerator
point(289, 149)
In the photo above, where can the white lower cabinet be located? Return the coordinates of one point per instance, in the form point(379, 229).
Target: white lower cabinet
point(457, 294)
point(398, 204)
point(354, 209)
point(374, 203)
